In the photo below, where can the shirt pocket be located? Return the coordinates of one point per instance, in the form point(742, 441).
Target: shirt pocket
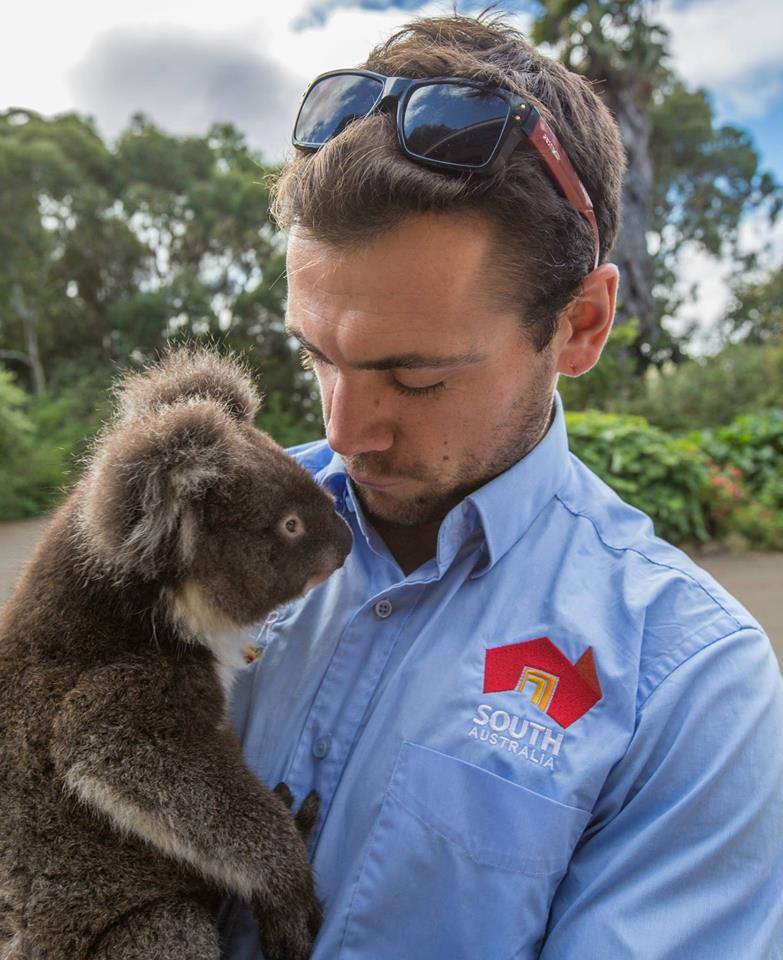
point(461, 864)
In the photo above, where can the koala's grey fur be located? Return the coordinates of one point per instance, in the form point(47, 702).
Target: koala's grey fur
point(126, 810)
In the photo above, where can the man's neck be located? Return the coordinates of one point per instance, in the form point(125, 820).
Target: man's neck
point(411, 546)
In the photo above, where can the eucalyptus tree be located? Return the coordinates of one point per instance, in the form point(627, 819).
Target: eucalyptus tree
point(108, 251)
point(689, 180)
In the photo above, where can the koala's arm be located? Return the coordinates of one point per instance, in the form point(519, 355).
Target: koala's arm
point(131, 745)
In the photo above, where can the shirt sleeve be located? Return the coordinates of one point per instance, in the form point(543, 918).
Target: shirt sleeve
point(684, 854)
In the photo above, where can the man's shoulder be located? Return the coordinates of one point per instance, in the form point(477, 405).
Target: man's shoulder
point(671, 605)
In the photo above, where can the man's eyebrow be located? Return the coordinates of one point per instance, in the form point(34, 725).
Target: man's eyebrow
point(402, 361)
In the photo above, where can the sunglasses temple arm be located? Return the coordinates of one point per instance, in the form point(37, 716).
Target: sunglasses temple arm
point(554, 156)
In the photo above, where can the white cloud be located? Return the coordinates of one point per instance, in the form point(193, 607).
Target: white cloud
point(710, 277)
point(186, 80)
point(345, 41)
point(42, 40)
point(737, 50)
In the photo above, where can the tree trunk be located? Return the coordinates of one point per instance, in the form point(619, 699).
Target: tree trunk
point(630, 106)
point(29, 326)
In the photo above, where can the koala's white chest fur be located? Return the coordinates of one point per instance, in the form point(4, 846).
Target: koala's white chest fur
point(229, 650)
point(224, 638)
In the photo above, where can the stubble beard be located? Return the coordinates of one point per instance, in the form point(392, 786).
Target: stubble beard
point(527, 423)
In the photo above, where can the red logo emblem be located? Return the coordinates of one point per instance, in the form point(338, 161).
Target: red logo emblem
point(563, 690)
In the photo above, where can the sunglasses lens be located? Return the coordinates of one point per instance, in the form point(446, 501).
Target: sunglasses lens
point(331, 104)
point(454, 124)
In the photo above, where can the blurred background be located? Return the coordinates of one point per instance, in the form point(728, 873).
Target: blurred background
point(136, 145)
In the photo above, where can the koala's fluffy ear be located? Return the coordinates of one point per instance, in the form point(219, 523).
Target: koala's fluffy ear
point(139, 493)
point(186, 373)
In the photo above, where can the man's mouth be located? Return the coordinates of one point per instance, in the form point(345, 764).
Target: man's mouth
point(380, 484)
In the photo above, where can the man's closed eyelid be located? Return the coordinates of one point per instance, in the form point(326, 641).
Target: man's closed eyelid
point(310, 357)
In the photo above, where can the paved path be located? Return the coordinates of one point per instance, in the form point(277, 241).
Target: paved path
point(756, 579)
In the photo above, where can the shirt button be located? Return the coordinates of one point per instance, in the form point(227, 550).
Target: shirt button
point(321, 747)
point(383, 609)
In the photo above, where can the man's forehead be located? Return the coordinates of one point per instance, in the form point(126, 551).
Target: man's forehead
point(424, 257)
point(422, 273)
point(418, 291)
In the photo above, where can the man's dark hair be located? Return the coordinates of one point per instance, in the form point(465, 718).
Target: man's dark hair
point(360, 184)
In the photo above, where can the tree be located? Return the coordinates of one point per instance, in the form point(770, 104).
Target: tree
point(688, 180)
point(106, 253)
point(755, 315)
point(707, 178)
point(55, 169)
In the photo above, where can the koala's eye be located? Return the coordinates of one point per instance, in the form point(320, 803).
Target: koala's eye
point(291, 526)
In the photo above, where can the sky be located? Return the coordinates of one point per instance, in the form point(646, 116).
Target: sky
point(187, 63)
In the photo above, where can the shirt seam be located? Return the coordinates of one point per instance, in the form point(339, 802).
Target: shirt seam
point(657, 563)
point(738, 629)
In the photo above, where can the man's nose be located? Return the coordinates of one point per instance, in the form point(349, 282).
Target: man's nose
point(355, 421)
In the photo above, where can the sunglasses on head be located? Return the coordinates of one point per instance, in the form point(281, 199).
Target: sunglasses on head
point(444, 122)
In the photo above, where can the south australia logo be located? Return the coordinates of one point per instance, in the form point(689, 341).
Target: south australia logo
point(536, 669)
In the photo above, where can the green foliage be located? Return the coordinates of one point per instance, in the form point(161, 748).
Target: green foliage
point(41, 439)
point(107, 252)
point(66, 421)
point(756, 313)
point(711, 391)
point(28, 475)
point(613, 382)
point(707, 175)
point(707, 178)
point(740, 519)
point(724, 484)
point(15, 426)
point(753, 444)
point(746, 479)
point(283, 427)
point(606, 37)
point(666, 478)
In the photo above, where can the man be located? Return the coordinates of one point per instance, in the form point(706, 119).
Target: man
point(536, 730)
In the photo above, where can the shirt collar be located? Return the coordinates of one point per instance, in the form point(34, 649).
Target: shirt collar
point(501, 511)
point(509, 503)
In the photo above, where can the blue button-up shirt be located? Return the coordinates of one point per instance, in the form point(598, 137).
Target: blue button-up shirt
point(558, 738)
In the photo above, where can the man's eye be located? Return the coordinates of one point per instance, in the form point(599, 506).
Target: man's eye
point(310, 361)
point(427, 391)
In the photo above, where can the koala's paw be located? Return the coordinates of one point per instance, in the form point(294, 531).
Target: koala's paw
point(307, 814)
point(288, 933)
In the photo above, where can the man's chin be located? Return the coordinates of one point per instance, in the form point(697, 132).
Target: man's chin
point(411, 510)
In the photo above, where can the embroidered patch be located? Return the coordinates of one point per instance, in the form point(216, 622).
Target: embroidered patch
point(563, 690)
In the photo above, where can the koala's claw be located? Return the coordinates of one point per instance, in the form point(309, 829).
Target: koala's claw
point(307, 813)
point(289, 934)
point(284, 793)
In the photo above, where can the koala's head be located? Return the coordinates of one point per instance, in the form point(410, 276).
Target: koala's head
point(184, 492)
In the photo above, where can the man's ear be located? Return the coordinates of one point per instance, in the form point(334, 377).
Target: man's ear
point(140, 492)
point(586, 322)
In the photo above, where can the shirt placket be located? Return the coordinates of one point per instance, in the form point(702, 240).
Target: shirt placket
point(339, 708)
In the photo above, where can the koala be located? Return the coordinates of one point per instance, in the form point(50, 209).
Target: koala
point(126, 810)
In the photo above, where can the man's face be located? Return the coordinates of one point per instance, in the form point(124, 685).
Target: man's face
point(429, 389)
